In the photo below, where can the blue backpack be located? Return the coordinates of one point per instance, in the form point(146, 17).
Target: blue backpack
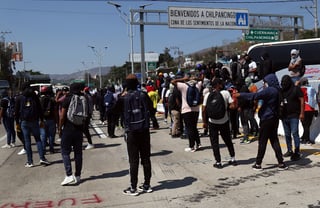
point(193, 95)
point(109, 100)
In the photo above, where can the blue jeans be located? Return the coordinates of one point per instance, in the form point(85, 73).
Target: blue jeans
point(33, 127)
point(71, 139)
point(291, 127)
point(49, 131)
point(8, 124)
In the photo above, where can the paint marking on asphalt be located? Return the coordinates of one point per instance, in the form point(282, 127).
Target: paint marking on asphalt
point(98, 131)
point(3, 138)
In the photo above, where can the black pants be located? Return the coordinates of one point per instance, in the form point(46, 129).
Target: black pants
point(86, 131)
point(71, 139)
point(306, 123)
point(224, 130)
point(138, 146)
point(234, 121)
point(269, 130)
point(191, 120)
point(112, 119)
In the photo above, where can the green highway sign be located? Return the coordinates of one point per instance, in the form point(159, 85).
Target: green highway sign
point(262, 35)
point(152, 65)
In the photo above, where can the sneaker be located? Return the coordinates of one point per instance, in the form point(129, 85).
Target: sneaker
point(131, 192)
point(217, 165)
point(282, 167)
point(145, 189)
point(188, 149)
point(245, 141)
point(12, 144)
point(233, 162)
point(288, 154)
point(68, 180)
point(44, 162)
point(6, 146)
point(257, 167)
point(89, 146)
point(295, 156)
point(22, 152)
point(28, 165)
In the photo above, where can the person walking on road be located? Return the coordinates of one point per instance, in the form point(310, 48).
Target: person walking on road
point(269, 120)
point(7, 116)
point(28, 112)
point(71, 138)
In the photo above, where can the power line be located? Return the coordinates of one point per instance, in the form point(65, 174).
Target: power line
point(207, 1)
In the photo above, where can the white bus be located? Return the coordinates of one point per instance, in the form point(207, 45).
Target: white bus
point(279, 52)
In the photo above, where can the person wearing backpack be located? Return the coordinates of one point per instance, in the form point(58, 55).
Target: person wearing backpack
point(174, 105)
point(136, 107)
point(190, 88)
point(49, 129)
point(215, 111)
point(7, 116)
point(269, 119)
point(73, 115)
point(28, 113)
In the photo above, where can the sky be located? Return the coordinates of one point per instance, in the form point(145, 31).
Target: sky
point(56, 33)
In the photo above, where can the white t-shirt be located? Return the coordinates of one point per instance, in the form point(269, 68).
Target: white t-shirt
point(227, 100)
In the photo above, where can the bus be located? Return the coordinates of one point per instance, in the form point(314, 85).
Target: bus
point(279, 52)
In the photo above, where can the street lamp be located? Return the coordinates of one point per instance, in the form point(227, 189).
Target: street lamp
point(99, 53)
point(86, 69)
point(128, 21)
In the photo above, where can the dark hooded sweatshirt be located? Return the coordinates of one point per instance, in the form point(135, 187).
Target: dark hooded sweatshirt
point(270, 97)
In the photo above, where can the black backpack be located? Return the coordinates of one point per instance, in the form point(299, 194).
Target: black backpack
point(136, 112)
point(215, 106)
point(193, 95)
point(28, 108)
point(47, 106)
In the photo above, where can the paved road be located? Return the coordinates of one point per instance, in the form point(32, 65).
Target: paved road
point(180, 179)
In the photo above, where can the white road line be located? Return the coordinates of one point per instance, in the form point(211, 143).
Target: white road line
point(98, 131)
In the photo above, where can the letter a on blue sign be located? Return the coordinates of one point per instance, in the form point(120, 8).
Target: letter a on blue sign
point(242, 19)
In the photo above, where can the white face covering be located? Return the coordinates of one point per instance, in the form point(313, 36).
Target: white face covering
point(265, 85)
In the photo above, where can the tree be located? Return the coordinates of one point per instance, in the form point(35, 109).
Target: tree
point(165, 59)
point(6, 64)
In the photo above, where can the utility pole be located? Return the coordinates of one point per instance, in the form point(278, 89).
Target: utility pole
point(128, 21)
point(99, 54)
point(314, 14)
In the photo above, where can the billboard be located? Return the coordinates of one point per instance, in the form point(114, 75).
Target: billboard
point(17, 51)
point(208, 18)
point(149, 57)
